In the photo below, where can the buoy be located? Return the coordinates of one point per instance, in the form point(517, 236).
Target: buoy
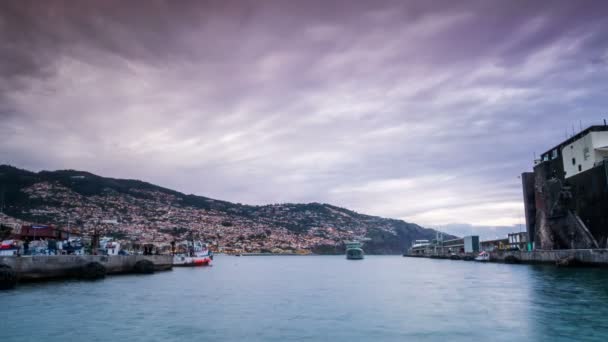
point(92, 271)
point(8, 277)
point(144, 267)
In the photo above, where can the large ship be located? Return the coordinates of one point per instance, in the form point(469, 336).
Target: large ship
point(354, 250)
point(192, 253)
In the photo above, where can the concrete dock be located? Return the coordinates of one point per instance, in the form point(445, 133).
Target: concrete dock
point(566, 257)
point(33, 268)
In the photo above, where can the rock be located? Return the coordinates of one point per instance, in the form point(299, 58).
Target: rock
point(144, 267)
point(8, 277)
point(92, 271)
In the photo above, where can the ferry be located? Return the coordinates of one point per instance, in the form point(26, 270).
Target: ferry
point(483, 256)
point(354, 250)
point(196, 254)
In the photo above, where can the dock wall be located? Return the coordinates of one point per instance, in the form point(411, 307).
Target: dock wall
point(597, 257)
point(30, 268)
point(590, 257)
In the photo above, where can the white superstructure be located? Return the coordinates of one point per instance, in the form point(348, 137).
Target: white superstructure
point(585, 153)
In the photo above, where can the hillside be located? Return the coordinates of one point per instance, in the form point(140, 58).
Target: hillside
point(140, 211)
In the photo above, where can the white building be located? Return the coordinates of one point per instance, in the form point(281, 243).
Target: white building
point(585, 153)
point(581, 152)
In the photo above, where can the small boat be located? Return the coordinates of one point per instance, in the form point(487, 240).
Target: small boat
point(197, 254)
point(483, 256)
point(354, 250)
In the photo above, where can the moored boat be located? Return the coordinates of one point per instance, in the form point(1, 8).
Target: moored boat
point(483, 256)
point(196, 254)
point(354, 250)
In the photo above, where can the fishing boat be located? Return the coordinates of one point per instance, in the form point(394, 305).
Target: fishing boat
point(193, 253)
point(483, 256)
point(354, 250)
point(9, 248)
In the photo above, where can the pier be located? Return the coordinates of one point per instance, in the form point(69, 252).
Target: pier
point(563, 257)
point(47, 267)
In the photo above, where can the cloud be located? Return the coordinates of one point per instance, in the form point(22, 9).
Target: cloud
point(414, 110)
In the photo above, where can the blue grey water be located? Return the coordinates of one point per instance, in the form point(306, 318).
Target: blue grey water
point(317, 298)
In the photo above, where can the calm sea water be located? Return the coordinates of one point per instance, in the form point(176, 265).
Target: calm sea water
point(318, 298)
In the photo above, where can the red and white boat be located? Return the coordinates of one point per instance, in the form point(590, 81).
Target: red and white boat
point(9, 248)
point(196, 254)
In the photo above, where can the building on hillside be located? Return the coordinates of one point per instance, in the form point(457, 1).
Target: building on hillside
point(566, 197)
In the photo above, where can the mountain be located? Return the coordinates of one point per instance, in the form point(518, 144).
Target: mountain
point(133, 210)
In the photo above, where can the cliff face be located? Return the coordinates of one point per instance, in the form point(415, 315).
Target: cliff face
point(561, 205)
point(143, 211)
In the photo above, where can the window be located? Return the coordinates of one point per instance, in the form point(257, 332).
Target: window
point(580, 168)
point(573, 161)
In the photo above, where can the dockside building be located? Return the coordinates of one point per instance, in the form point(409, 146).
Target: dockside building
point(566, 197)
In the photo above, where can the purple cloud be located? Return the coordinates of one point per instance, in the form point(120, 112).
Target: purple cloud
point(421, 110)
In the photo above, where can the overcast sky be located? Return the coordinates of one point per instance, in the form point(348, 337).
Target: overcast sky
point(421, 110)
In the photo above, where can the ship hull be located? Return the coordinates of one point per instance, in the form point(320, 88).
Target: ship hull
point(183, 261)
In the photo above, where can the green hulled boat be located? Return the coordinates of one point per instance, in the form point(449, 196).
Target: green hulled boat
point(354, 250)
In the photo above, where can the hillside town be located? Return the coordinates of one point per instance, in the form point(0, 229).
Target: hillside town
point(148, 216)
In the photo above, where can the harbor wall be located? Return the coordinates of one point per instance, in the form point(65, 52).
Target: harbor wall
point(591, 257)
point(597, 257)
point(42, 267)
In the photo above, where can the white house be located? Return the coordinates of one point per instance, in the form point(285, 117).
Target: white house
point(585, 152)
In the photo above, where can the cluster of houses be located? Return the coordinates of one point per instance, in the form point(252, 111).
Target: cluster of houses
point(159, 218)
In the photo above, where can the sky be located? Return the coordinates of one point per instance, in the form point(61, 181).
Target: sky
point(426, 111)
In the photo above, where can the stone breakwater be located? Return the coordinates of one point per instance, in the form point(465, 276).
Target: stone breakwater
point(563, 257)
point(38, 268)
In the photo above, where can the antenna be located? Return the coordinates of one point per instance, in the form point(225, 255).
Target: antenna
point(580, 122)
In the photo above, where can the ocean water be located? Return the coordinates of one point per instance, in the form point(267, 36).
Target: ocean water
point(317, 298)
